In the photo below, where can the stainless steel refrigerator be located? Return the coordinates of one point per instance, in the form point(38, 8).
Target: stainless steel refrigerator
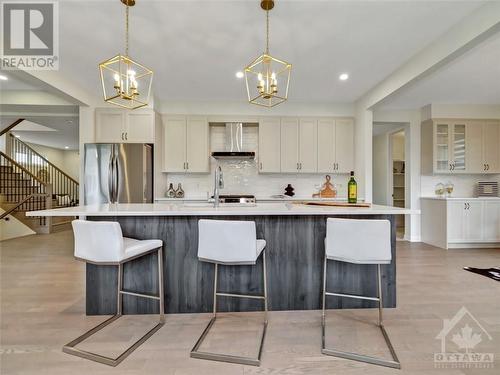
point(118, 173)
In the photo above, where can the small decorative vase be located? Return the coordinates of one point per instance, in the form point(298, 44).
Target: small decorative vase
point(289, 190)
point(170, 193)
point(179, 193)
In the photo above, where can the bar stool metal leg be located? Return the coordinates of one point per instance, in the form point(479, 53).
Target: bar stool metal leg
point(355, 356)
point(70, 348)
point(195, 353)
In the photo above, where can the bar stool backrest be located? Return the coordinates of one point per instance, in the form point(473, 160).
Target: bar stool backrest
point(98, 241)
point(358, 241)
point(227, 241)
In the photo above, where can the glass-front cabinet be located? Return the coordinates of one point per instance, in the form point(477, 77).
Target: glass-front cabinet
point(450, 147)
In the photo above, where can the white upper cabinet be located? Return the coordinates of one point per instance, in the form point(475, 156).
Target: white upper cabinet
point(174, 144)
point(474, 147)
point(140, 127)
point(335, 145)
point(197, 145)
point(308, 146)
point(491, 141)
point(289, 145)
point(123, 126)
point(482, 147)
point(299, 144)
point(269, 145)
point(326, 145)
point(460, 146)
point(186, 144)
point(344, 145)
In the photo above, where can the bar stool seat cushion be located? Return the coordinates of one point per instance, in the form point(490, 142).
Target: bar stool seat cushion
point(358, 241)
point(135, 247)
point(229, 242)
point(103, 242)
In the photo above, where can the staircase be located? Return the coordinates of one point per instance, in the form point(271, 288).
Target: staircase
point(29, 182)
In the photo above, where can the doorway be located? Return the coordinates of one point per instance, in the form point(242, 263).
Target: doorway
point(397, 181)
point(390, 178)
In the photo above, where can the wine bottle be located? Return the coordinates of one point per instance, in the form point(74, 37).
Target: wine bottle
point(352, 190)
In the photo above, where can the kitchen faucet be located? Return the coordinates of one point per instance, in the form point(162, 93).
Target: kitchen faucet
point(218, 184)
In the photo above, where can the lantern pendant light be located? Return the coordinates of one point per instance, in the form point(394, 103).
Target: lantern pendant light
point(125, 82)
point(267, 78)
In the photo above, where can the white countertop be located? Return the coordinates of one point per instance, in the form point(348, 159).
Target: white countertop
point(461, 198)
point(205, 209)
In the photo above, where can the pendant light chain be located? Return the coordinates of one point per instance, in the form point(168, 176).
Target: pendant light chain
point(267, 32)
point(126, 30)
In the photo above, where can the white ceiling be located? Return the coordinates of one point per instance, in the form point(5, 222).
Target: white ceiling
point(14, 82)
point(55, 131)
point(473, 78)
point(195, 47)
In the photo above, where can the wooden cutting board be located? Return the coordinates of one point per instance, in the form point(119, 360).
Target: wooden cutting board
point(333, 204)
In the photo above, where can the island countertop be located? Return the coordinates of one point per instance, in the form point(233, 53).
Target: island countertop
point(207, 209)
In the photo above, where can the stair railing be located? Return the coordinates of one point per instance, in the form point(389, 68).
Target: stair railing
point(17, 184)
point(64, 186)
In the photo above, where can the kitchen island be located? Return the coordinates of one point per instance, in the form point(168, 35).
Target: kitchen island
point(294, 234)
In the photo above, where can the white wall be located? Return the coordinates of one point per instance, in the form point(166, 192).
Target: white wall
point(243, 177)
point(380, 168)
point(66, 160)
point(398, 146)
point(243, 108)
point(12, 228)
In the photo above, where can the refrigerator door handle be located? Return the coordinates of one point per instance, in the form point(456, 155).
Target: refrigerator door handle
point(116, 176)
point(110, 177)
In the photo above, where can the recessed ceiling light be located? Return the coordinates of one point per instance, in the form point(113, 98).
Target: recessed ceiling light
point(240, 74)
point(3, 78)
point(344, 77)
point(66, 147)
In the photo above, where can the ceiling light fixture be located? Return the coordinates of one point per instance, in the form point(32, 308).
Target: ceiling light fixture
point(240, 74)
point(344, 77)
point(125, 82)
point(267, 78)
point(66, 147)
point(3, 78)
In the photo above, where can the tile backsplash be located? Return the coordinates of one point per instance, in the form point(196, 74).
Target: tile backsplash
point(242, 177)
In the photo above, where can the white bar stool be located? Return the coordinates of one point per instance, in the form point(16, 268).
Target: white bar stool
point(360, 242)
point(102, 243)
point(230, 243)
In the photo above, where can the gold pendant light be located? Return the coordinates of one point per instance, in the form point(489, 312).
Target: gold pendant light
point(125, 82)
point(267, 78)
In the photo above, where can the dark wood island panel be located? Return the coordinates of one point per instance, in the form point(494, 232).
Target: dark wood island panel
point(295, 251)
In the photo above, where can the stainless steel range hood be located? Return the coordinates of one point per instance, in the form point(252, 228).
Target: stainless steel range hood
point(234, 144)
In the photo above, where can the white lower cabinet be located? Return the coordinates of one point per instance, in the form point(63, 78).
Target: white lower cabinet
point(491, 221)
point(460, 222)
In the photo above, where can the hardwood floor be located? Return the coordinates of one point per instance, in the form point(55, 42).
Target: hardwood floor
point(42, 308)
